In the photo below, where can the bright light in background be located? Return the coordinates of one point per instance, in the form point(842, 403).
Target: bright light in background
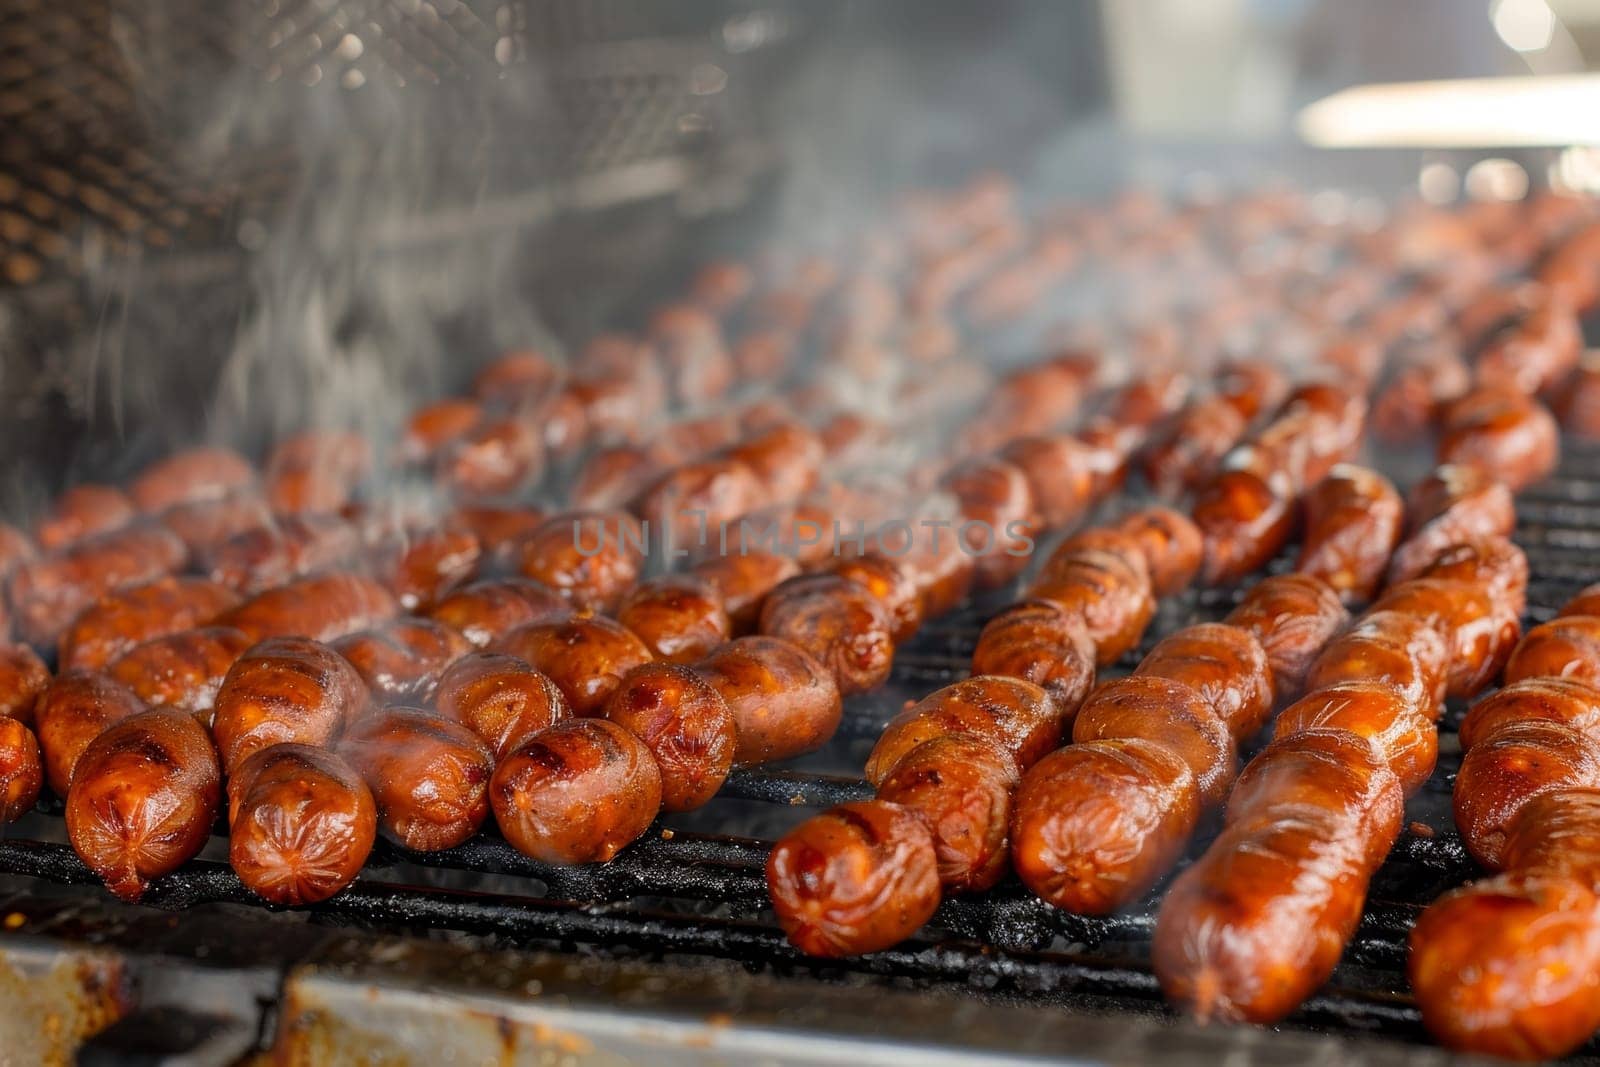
point(1576, 170)
point(1524, 25)
point(1497, 179)
point(1467, 113)
point(1438, 183)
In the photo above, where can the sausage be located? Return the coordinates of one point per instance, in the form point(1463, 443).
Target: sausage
point(997, 522)
point(321, 608)
point(784, 703)
point(48, 593)
point(1352, 523)
point(839, 623)
point(429, 776)
point(268, 556)
point(301, 823)
point(1536, 353)
point(1171, 545)
point(962, 787)
point(433, 428)
point(499, 531)
point(1579, 409)
point(1293, 616)
point(692, 504)
point(1397, 648)
point(1225, 664)
point(1478, 629)
point(1585, 601)
point(192, 475)
point(72, 711)
point(498, 457)
point(786, 460)
point(118, 621)
point(1258, 922)
point(402, 659)
point(424, 565)
point(1246, 519)
point(486, 611)
point(515, 376)
point(1337, 416)
point(317, 470)
point(577, 792)
point(1060, 476)
point(1252, 386)
point(679, 617)
point(182, 671)
point(891, 585)
point(1169, 713)
point(586, 656)
point(685, 723)
point(1453, 505)
point(692, 353)
point(1495, 563)
point(144, 799)
point(1512, 437)
point(1186, 454)
point(1567, 646)
point(1107, 592)
point(1376, 711)
point(500, 698)
point(21, 770)
point(1040, 642)
point(1150, 398)
point(1012, 713)
point(591, 558)
point(284, 690)
point(204, 525)
point(940, 566)
point(743, 580)
point(1110, 444)
point(83, 511)
point(612, 476)
point(858, 878)
point(23, 676)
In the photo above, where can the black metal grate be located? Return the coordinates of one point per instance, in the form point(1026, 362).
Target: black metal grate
point(693, 889)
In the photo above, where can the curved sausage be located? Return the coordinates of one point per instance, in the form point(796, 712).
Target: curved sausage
point(962, 788)
point(321, 608)
point(317, 470)
point(1402, 735)
point(1567, 646)
point(499, 531)
point(685, 723)
point(678, 617)
point(429, 776)
point(1169, 713)
point(1246, 519)
point(500, 698)
point(71, 712)
point(204, 525)
point(143, 799)
point(21, 770)
point(577, 792)
point(1397, 648)
point(839, 623)
point(1252, 386)
point(1225, 664)
point(786, 460)
point(590, 558)
point(403, 659)
point(858, 878)
point(1512, 437)
point(286, 689)
point(191, 475)
point(1495, 563)
point(692, 503)
point(1172, 546)
point(23, 676)
point(1107, 592)
point(784, 703)
point(294, 546)
point(1453, 505)
point(301, 823)
point(434, 427)
point(1060, 476)
point(997, 522)
point(742, 581)
point(586, 656)
point(892, 585)
point(48, 593)
point(118, 621)
point(499, 456)
point(83, 511)
point(1536, 353)
point(1293, 616)
point(486, 611)
point(1479, 630)
point(1040, 642)
point(427, 564)
point(183, 671)
point(1352, 523)
point(941, 567)
point(1012, 713)
point(1186, 454)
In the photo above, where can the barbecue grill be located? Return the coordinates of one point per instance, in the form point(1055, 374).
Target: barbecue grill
point(628, 134)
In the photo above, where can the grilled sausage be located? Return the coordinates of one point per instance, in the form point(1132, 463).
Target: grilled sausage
point(1495, 563)
point(499, 532)
point(268, 556)
point(1169, 713)
point(143, 799)
point(1252, 386)
point(679, 617)
point(1225, 664)
point(1453, 505)
point(1373, 710)
point(23, 676)
point(612, 476)
point(692, 353)
point(1293, 616)
point(962, 788)
point(891, 585)
point(1246, 517)
point(1171, 545)
point(1397, 648)
point(48, 593)
point(429, 776)
point(191, 475)
point(940, 566)
point(433, 428)
point(321, 608)
point(577, 792)
point(1256, 924)
point(841, 624)
point(317, 470)
point(1579, 409)
point(486, 611)
point(118, 621)
point(1039, 642)
point(301, 823)
point(1012, 713)
point(1567, 646)
point(997, 518)
point(83, 511)
point(1585, 601)
point(785, 459)
point(514, 377)
point(586, 656)
point(427, 564)
point(784, 703)
point(589, 558)
point(1536, 353)
point(499, 456)
point(1184, 456)
point(857, 878)
point(284, 690)
point(692, 503)
point(1059, 475)
point(21, 770)
point(500, 698)
point(182, 671)
point(402, 659)
point(685, 723)
point(743, 580)
point(1479, 631)
point(1107, 592)
point(204, 525)
point(1353, 519)
point(71, 712)
point(1512, 437)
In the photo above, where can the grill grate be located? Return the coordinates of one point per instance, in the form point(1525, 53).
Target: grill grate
point(690, 891)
